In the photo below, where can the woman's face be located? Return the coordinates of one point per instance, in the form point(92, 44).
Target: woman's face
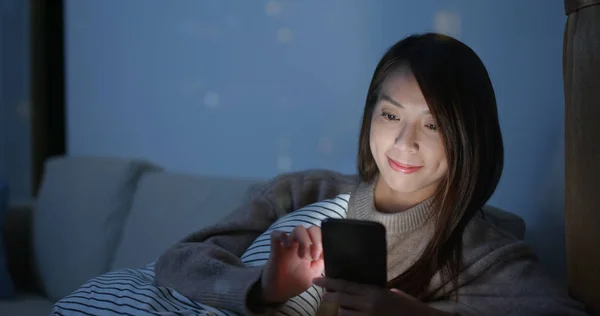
point(405, 140)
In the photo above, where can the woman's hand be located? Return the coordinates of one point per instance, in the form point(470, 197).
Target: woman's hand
point(359, 299)
point(295, 260)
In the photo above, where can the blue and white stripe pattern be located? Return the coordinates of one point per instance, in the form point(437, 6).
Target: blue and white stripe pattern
point(130, 292)
point(134, 292)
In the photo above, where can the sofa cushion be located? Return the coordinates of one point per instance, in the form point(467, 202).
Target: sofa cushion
point(81, 207)
point(6, 286)
point(167, 207)
point(26, 304)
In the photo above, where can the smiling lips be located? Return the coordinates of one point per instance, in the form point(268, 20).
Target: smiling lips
point(406, 169)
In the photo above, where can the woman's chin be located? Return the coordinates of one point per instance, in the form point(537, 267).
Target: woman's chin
point(403, 185)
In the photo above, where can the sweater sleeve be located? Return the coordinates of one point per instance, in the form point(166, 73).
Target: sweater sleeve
point(206, 266)
point(510, 281)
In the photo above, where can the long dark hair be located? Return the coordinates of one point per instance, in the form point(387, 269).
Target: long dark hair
point(460, 96)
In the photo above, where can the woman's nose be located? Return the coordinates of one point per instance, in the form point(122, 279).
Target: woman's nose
point(407, 139)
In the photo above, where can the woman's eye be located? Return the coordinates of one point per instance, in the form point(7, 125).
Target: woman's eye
point(389, 117)
point(432, 127)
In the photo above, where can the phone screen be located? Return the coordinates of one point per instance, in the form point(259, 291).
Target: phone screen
point(355, 250)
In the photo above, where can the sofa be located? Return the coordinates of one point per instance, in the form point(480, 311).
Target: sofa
point(97, 214)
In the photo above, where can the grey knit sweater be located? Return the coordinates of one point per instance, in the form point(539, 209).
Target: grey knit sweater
point(500, 275)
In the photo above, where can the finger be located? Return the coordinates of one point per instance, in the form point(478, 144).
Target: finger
point(275, 238)
point(403, 294)
point(344, 300)
point(337, 285)
point(318, 266)
point(285, 240)
point(317, 246)
point(276, 241)
point(300, 234)
point(397, 291)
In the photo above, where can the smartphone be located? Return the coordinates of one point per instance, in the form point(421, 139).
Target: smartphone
point(355, 250)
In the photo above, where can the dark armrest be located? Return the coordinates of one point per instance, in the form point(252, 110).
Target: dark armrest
point(19, 247)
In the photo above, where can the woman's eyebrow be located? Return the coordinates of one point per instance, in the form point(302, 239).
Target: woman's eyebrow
point(387, 98)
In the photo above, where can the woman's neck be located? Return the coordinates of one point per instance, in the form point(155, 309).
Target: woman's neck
point(387, 200)
point(362, 207)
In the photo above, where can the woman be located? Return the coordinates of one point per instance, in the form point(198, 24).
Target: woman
point(430, 156)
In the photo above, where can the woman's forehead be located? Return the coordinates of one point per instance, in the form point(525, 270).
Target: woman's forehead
point(402, 89)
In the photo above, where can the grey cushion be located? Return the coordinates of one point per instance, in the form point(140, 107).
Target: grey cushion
point(26, 305)
point(167, 207)
point(81, 207)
